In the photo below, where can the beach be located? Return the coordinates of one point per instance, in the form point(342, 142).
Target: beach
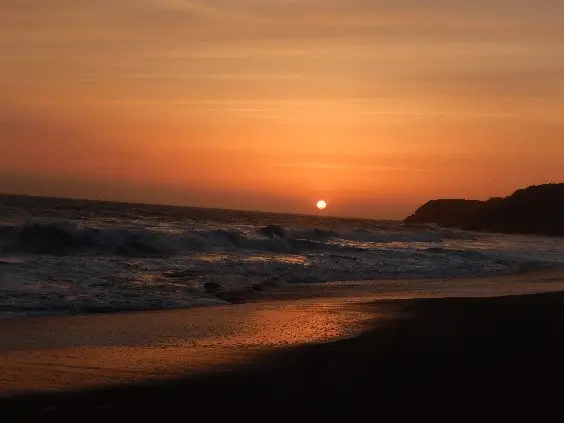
point(286, 210)
point(335, 339)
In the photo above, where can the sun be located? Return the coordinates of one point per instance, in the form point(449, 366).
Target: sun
point(321, 204)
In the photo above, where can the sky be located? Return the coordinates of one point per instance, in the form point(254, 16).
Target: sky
point(374, 106)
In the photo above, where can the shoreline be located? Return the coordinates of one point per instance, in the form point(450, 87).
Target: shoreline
point(385, 288)
point(520, 283)
point(57, 358)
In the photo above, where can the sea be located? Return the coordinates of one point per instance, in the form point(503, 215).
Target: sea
point(65, 256)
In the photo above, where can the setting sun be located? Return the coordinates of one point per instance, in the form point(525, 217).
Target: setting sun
point(321, 205)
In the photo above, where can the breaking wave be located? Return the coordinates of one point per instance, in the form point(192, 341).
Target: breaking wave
point(68, 237)
point(87, 259)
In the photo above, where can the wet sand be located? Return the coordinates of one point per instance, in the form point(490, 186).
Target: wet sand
point(316, 343)
point(69, 353)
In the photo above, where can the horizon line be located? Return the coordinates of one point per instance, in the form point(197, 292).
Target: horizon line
point(137, 203)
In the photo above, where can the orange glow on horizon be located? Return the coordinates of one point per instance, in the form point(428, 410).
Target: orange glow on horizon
point(239, 105)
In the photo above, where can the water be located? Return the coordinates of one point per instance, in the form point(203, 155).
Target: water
point(73, 256)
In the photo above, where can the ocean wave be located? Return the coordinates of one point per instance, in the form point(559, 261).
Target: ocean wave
point(66, 267)
point(67, 257)
point(71, 237)
point(65, 237)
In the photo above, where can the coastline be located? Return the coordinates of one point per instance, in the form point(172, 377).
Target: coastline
point(104, 358)
point(534, 281)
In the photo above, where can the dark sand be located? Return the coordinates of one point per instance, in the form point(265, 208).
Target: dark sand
point(382, 350)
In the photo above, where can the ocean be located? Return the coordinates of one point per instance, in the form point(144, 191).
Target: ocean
point(62, 256)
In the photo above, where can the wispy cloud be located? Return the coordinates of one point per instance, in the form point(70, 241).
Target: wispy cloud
point(353, 167)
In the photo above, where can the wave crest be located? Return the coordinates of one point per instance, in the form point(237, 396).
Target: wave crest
point(69, 237)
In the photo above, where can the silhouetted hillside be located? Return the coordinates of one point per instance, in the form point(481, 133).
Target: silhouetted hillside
point(534, 210)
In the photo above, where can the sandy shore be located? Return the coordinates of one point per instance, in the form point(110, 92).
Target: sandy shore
point(312, 341)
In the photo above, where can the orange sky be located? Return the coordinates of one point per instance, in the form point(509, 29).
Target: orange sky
point(375, 106)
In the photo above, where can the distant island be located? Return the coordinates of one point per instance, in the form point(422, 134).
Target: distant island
point(538, 210)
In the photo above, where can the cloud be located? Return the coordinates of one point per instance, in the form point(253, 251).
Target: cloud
point(353, 167)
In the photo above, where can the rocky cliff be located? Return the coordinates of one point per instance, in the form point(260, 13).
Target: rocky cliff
point(537, 209)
